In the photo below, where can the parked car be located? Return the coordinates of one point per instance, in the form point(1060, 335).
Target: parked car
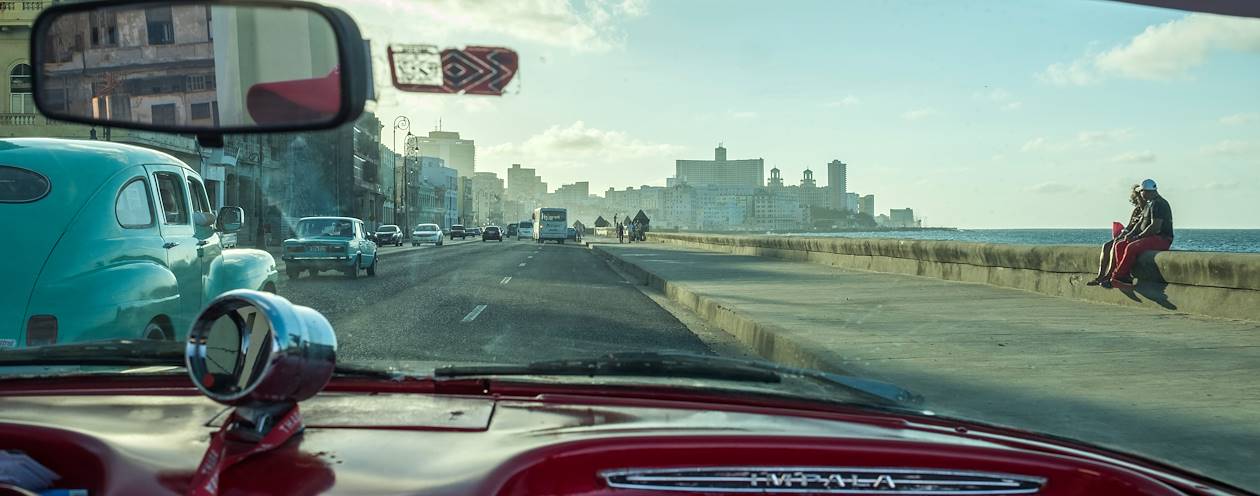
point(427, 233)
point(473, 231)
point(116, 241)
point(388, 234)
point(492, 232)
point(457, 231)
point(329, 243)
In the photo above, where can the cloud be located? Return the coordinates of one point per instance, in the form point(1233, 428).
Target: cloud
point(1161, 52)
point(575, 145)
point(1228, 148)
point(1053, 188)
point(1239, 119)
point(917, 114)
point(1090, 138)
point(1000, 97)
point(588, 26)
point(1143, 157)
point(741, 114)
point(1035, 144)
point(847, 101)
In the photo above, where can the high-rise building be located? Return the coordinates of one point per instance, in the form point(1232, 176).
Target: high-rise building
point(866, 205)
point(852, 202)
point(901, 217)
point(837, 184)
point(459, 154)
point(487, 198)
point(572, 193)
point(720, 171)
point(523, 184)
point(811, 195)
point(444, 180)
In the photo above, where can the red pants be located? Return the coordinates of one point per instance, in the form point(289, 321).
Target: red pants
point(1125, 253)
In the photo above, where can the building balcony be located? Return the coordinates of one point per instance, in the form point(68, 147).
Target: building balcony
point(20, 13)
point(36, 125)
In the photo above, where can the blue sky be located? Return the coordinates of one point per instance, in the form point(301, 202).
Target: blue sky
point(975, 113)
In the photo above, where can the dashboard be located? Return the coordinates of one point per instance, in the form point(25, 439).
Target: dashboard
point(147, 435)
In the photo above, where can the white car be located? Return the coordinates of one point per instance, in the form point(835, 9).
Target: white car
point(426, 233)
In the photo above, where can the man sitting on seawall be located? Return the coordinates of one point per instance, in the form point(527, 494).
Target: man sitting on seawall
point(1155, 233)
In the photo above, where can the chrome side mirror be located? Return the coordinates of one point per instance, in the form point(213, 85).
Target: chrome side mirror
point(253, 349)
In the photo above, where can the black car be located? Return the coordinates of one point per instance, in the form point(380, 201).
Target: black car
point(457, 231)
point(511, 230)
point(388, 234)
point(492, 232)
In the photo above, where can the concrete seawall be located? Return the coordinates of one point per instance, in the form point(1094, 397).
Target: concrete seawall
point(1225, 285)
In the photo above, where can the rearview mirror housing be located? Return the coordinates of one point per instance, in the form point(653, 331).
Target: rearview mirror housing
point(204, 67)
point(230, 219)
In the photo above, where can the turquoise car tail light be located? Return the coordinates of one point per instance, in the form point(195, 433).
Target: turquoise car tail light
point(41, 330)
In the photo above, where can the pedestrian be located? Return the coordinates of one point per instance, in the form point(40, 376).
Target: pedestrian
point(621, 232)
point(1155, 234)
point(1105, 260)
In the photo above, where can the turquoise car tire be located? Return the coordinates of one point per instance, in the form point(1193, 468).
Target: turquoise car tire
point(293, 272)
point(158, 329)
point(353, 271)
point(371, 270)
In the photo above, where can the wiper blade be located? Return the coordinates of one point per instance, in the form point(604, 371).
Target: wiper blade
point(623, 364)
point(689, 365)
point(110, 352)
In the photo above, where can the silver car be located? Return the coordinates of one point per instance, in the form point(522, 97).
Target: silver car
point(426, 233)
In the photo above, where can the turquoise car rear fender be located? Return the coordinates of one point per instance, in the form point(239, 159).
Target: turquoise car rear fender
point(110, 302)
point(242, 268)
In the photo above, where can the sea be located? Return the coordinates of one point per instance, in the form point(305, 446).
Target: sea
point(1222, 240)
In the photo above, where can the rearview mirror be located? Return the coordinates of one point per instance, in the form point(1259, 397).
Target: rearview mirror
point(199, 67)
point(230, 219)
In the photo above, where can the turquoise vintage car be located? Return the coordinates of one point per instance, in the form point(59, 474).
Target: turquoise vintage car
point(329, 243)
point(107, 241)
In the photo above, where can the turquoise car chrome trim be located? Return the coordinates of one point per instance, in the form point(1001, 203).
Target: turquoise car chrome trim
point(100, 277)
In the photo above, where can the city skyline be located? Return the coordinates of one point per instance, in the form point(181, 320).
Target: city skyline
point(961, 111)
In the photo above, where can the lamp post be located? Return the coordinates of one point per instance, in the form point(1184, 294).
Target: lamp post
point(404, 124)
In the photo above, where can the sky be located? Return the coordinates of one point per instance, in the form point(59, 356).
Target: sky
point(977, 114)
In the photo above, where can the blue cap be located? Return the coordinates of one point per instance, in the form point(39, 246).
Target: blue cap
point(1148, 185)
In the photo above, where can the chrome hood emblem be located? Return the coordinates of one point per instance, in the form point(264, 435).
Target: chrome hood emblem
point(822, 480)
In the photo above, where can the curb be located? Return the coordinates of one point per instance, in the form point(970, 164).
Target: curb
point(769, 341)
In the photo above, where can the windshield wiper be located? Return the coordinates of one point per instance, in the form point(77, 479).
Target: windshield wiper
point(110, 352)
point(132, 352)
point(685, 365)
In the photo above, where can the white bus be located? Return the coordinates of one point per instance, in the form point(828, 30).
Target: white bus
point(551, 224)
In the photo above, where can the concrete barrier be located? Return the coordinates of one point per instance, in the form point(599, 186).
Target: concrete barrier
point(1225, 285)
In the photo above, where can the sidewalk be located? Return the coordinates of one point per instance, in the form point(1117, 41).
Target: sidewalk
point(1168, 386)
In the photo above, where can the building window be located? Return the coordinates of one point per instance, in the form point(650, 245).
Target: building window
point(200, 82)
point(104, 28)
point(20, 98)
point(164, 114)
point(161, 29)
point(200, 111)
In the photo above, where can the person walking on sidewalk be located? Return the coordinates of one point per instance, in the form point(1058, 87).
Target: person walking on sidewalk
point(1155, 234)
point(621, 232)
point(1105, 260)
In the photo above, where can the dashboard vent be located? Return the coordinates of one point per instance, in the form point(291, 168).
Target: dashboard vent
point(822, 480)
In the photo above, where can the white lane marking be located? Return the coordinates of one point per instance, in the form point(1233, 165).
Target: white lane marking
point(474, 313)
point(531, 256)
point(505, 280)
point(521, 265)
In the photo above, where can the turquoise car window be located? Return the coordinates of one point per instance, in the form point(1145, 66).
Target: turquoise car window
point(174, 206)
point(133, 208)
point(199, 201)
point(19, 185)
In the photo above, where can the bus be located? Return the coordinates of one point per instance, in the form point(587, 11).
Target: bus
point(551, 224)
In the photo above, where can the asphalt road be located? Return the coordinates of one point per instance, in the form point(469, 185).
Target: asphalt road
point(474, 301)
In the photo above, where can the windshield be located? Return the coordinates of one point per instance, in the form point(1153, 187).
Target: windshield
point(335, 228)
point(1032, 214)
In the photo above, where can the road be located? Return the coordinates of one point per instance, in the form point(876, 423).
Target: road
point(474, 301)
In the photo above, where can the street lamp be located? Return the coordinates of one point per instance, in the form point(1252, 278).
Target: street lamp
point(404, 124)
